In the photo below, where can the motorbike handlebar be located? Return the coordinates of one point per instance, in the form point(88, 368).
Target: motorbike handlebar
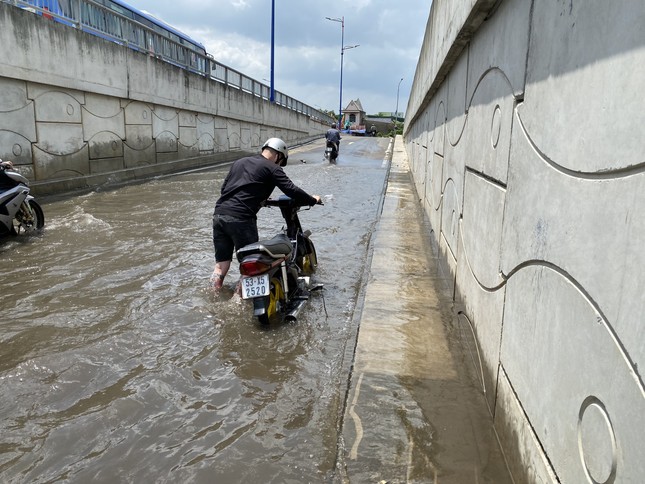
point(285, 201)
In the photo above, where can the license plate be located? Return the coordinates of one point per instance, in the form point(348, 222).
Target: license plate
point(255, 286)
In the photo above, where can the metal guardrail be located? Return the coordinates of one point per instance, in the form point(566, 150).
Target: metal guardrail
point(94, 18)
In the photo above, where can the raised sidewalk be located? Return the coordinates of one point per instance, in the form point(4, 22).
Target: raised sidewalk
point(415, 412)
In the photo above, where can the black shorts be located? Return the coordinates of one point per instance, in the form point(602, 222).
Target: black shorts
point(232, 233)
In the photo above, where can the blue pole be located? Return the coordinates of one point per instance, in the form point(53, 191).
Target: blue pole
point(272, 95)
point(342, 52)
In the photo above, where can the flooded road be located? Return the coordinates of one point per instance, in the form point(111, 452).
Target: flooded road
point(118, 363)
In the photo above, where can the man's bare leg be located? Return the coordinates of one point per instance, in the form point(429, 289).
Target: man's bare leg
point(219, 273)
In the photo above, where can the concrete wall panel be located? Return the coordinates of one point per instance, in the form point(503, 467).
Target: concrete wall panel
point(13, 95)
point(106, 165)
point(233, 130)
point(603, 68)
point(598, 230)
point(588, 411)
point(19, 149)
point(138, 136)
point(139, 146)
point(187, 119)
point(456, 100)
point(62, 165)
point(57, 106)
point(478, 279)
point(502, 44)
point(481, 228)
point(102, 106)
point(105, 145)
point(94, 124)
point(436, 195)
point(165, 119)
point(245, 137)
point(188, 138)
point(17, 128)
point(60, 139)
point(137, 113)
point(450, 214)
point(206, 139)
point(515, 430)
point(481, 311)
point(487, 137)
point(166, 142)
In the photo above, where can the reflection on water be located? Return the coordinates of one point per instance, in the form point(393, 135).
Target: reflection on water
point(118, 362)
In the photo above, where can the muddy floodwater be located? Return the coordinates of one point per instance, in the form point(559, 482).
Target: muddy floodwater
point(118, 363)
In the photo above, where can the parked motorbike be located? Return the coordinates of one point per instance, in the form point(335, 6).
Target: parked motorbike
point(331, 152)
point(19, 211)
point(276, 273)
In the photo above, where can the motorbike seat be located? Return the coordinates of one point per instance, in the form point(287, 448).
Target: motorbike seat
point(277, 247)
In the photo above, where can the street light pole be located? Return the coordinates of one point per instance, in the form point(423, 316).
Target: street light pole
point(272, 91)
point(396, 113)
point(340, 116)
point(342, 50)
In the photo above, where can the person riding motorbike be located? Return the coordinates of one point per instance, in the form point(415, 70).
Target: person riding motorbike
point(333, 136)
point(250, 181)
point(6, 183)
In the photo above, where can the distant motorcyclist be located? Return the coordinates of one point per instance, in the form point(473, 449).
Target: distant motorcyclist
point(333, 136)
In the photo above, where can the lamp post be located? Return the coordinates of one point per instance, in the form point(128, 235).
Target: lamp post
point(396, 113)
point(343, 48)
point(272, 90)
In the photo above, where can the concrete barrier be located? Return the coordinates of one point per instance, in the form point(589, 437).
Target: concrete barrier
point(76, 110)
point(525, 140)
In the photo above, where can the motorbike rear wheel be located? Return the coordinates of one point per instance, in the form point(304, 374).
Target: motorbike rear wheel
point(26, 222)
point(275, 301)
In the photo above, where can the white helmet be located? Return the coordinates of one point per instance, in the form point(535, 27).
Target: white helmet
point(280, 146)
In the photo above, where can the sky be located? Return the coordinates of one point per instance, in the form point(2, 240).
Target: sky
point(237, 33)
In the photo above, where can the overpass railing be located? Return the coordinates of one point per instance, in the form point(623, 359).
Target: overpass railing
point(157, 41)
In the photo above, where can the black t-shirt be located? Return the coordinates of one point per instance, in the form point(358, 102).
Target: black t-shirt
point(250, 182)
point(6, 182)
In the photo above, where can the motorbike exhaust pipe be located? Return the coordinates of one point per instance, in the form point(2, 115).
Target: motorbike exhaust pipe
point(292, 315)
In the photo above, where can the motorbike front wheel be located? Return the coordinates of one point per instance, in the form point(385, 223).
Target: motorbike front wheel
point(275, 301)
point(28, 219)
point(309, 261)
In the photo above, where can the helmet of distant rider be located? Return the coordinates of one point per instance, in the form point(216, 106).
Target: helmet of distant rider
point(333, 125)
point(280, 146)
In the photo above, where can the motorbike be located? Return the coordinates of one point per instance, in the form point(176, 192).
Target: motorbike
point(331, 152)
point(19, 211)
point(276, 273)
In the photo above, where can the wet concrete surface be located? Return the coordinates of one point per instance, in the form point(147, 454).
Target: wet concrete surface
point(415, 411)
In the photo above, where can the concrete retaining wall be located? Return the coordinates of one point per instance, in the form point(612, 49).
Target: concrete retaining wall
point(525, 138)
point(77, 110)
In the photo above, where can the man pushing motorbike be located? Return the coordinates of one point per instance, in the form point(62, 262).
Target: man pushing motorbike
point(6, 183)
point(250, 181)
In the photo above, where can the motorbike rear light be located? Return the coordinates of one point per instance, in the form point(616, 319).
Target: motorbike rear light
point(253, 267)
